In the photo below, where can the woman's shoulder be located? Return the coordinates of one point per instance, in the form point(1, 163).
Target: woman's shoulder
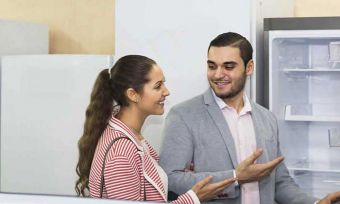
point(118, 143)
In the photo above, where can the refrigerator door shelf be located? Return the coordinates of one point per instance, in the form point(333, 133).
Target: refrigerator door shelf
point(334, 51)
point(334, 137)
point(327, 181)
point(313, 112)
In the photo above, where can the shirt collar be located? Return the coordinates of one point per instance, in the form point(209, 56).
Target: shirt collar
point(120, 126)
point(246, 108)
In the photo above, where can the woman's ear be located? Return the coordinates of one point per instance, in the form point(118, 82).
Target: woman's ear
point(132, 95)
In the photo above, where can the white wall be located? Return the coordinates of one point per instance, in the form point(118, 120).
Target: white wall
point(23, 38)
point(176, 34)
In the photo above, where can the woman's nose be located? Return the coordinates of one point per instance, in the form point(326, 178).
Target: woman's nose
point(166, 91)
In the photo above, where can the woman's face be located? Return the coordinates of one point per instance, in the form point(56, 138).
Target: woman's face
point(151, 100)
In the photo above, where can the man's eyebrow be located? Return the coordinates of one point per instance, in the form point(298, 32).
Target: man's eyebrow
point(230, 63)
point(224, 63)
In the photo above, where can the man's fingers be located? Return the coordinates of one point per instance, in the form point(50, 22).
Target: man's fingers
point(251, 159)
point(273, 163)
point(268, 167)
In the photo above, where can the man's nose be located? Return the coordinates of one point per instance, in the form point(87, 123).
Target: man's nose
point(219, 72)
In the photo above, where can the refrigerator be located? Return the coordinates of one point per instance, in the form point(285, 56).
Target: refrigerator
point(303, 91)
point(43, 103)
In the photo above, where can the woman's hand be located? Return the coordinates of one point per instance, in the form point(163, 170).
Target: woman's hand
point(206, 190)
point(331, 198)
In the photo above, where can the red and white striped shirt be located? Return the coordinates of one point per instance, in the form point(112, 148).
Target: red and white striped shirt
point(130, 170)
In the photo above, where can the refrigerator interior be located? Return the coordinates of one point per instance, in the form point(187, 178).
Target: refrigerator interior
point(304, 86)
point(43, 103)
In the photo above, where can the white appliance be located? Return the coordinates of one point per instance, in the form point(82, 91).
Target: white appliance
point(304, 87)
point(43, 102)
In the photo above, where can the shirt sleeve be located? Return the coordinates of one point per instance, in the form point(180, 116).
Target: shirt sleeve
point(188, 198)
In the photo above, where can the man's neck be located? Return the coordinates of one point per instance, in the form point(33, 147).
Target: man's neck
point(236, 102)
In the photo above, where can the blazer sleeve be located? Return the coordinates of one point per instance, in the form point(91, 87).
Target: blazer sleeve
point(122, 179)
point(177, 153)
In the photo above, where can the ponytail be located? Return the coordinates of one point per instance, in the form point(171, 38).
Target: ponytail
point(98, 114)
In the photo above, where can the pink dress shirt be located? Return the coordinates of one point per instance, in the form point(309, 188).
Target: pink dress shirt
point(242, 130)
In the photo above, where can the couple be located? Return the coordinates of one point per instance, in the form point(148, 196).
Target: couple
point(231, 141)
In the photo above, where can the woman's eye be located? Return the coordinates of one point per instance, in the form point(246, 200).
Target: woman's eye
point(158, 86)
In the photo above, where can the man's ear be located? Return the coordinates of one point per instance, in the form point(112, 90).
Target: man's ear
point(132, 95)
point(250, 67)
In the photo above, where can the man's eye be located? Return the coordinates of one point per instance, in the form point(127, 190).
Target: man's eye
point(229, 66)
point(211, 67)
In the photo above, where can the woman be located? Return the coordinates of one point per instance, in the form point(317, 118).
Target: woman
point(115, 161)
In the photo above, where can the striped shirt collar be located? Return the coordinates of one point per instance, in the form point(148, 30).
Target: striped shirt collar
point(120, 126)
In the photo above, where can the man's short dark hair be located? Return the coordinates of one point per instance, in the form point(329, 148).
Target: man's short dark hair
point(234, 40)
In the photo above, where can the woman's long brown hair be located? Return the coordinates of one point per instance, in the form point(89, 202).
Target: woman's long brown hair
point(129, 71)
point(97, 115)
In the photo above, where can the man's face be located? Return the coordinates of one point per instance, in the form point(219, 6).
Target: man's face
point(227, 72)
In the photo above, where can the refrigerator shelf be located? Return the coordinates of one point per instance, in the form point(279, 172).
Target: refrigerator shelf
point(321, 69)
point(293, 168)
point(311, 112)
point(317, 183)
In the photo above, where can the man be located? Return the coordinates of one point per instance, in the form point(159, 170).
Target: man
point(224, 134)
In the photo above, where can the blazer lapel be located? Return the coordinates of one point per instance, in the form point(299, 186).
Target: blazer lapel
point(259, 132)
point(219, 120)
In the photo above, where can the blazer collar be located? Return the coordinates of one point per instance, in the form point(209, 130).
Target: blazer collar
point(149, 167)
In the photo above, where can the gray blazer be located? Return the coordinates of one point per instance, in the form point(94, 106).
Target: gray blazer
point(197, 132)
